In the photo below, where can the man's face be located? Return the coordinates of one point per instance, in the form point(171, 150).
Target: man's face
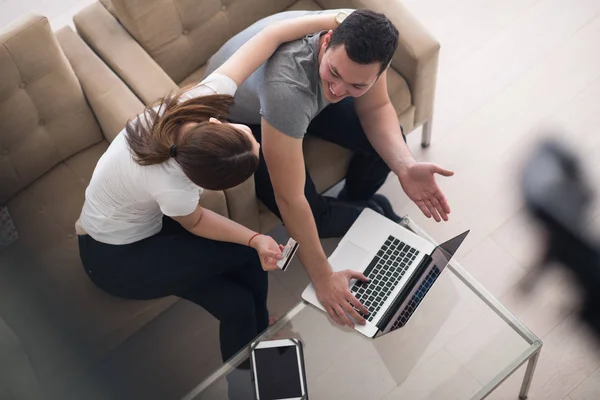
point(342, 77)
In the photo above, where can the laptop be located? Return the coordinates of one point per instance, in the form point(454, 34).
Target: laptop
point(401, 266)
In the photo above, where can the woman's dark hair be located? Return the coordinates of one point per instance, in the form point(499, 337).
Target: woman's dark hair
point(213, 156)
point(368, 37)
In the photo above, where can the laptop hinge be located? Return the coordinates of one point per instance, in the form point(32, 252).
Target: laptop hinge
point(400, 297)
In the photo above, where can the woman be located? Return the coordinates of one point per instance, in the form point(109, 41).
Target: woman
point(143, 234)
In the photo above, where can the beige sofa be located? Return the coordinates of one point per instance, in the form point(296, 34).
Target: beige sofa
point(159, 45)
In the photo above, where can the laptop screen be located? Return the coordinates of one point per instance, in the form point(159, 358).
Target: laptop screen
point(440, 258)
point(452, 245)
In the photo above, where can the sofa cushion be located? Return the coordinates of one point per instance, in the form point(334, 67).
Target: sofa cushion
point(304, 5)
point(214, 201)
point(398, 91)
point(64, 321)
point(181, 35)
point(44, 117)
point(194, 78)
point(327, 162)
point(197, 75)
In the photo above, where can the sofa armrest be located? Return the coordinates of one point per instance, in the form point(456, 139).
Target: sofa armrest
point(111, 100)
point(242, 204)
point(418, 51)
point(109, 39)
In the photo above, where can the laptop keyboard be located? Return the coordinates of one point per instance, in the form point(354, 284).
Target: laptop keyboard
point(385, 271)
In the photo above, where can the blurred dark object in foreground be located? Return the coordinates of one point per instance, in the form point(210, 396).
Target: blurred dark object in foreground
point(558, 196)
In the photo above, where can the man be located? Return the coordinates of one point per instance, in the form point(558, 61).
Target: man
point(331, 85)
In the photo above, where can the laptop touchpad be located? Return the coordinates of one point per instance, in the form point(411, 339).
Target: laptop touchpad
point(349, 256)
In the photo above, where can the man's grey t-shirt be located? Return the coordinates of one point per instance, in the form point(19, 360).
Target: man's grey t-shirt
point(286, 90)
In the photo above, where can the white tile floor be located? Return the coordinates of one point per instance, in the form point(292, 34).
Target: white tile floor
point(507, 67)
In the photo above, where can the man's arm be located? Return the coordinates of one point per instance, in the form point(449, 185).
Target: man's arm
point(259, 48)
point(285, 161)
point(380, 123)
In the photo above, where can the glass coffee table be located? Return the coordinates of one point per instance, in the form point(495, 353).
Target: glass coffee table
point(461, 343)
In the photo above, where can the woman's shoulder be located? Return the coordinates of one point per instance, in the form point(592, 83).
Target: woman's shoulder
point(119, 143)
point(169, 176)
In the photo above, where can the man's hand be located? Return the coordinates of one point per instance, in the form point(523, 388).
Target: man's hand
point(418, 181)
point(334, 294)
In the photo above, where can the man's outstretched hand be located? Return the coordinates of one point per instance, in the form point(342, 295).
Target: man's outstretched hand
point(334, 294)
point(418, 182)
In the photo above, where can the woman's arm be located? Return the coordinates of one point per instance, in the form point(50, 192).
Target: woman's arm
point(259, 48)
point(210, 225)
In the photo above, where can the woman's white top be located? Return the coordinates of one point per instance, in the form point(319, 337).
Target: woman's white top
point(125, 202)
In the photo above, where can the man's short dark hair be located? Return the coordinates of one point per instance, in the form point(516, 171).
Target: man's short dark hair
point(368, 37)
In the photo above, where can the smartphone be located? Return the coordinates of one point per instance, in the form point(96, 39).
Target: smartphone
point(278, 370)
point(288, 253)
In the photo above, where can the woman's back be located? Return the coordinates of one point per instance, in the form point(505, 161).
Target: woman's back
point(125, 202)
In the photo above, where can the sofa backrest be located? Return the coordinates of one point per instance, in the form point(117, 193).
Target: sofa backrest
point(44, 117)
point(181, 35)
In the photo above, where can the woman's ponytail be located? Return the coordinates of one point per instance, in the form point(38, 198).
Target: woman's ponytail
point(152, 135)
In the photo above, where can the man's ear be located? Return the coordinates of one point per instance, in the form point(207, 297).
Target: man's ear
point(327, 38)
